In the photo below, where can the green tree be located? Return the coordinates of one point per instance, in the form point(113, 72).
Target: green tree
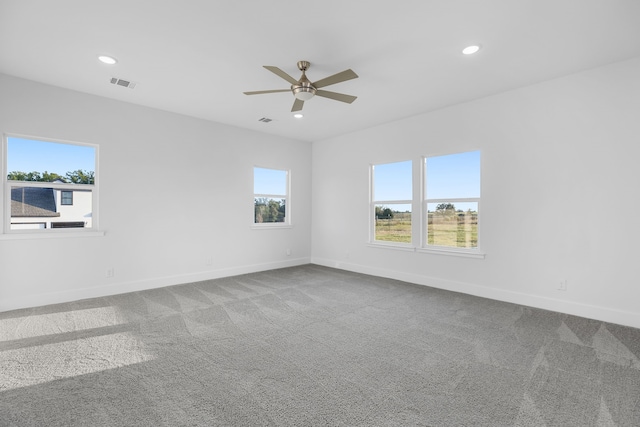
point(282, 211)
point(50, 177)
point(383, 213)
point(446, 210)
point(274, 207)
point(269, 210)
point(260, 206)
point(81, 177)
point(76, 177)
point(24, 176)
point(445, 207)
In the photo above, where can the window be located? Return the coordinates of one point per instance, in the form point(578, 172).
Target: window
point(391, 201)
point(271, 196)
point(67, 224)
point(49, 185)
point(66, 197)
point(452, 200)
point(441, 216)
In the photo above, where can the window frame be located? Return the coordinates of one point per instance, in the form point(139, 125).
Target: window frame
point(5, 213)
point(62, 197)
point(287, 223)
point(474, 252)
point(419, 212)
point(373, 203)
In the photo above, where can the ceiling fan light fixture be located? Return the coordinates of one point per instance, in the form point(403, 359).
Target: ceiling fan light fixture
point(303, 93)
point(298, 115)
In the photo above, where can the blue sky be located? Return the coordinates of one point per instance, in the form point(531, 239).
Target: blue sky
point(447, 177)
point(393, 181)
point(269, 181)
point(453, 176)
point(26, 155)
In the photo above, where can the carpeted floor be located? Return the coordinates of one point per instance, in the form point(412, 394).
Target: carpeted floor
point(312, 346)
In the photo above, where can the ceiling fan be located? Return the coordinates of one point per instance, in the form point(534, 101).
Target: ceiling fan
point(304, 90)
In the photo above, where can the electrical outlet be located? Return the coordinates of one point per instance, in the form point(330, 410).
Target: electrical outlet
point(109, 273)
point(208, 261)
point(288, 252)
point(562, 286)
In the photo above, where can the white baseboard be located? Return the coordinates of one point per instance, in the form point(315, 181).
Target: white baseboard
point(569, 307)
point(605, 314)
point(140, 285)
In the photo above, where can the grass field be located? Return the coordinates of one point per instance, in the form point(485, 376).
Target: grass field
point(452, 231)
point(396, 229)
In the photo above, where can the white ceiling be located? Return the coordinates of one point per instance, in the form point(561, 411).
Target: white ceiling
point(196, 57)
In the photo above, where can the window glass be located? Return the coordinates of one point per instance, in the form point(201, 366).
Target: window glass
point(453, 176)
point(393, 222)
point(391, 204)
point(452, 200)
point(44, 179)
point(392, 181)
point(269, 181)
point(270, 188)
point(66, 197)
point(44, 161)
point(454, 225)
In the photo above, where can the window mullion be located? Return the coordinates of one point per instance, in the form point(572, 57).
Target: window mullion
point(454, 200)
point(393, 202)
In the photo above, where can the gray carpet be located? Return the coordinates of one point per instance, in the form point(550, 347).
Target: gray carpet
point(312, 346)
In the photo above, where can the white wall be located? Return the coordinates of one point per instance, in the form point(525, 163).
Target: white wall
point(560, 195)
point(174, 192)
point(80, 210)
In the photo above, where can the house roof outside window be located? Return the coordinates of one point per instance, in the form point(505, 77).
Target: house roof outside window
point(33, 202)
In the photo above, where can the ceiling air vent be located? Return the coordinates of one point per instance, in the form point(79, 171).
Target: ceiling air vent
point(265, 120)
point(122, 82)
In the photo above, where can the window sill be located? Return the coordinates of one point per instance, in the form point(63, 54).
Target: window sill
point(50, 235)
point(394, 246)
point(435, 251)
point(452, 252)
point(270, 226)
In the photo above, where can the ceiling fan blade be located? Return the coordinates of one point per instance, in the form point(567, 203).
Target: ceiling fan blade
point(259, 92)
point(277, 71)
point(336, 78)
point(297, 105)
point(337, 96)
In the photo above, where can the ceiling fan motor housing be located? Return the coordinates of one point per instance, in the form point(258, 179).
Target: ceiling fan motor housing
point(303, 90)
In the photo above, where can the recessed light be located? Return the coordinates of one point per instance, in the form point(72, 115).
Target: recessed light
point(470, 50)
point(109, 60)
point(298, 116)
